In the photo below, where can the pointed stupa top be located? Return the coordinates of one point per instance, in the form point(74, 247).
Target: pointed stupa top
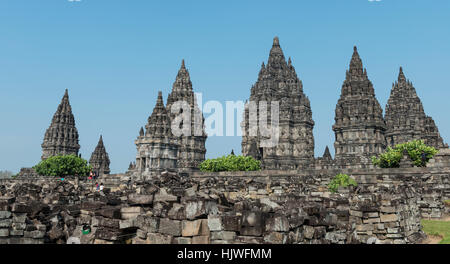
point(64, 106)
point(405, 116)
point(158, 125)
point(61, 138)
point(183, 80)
point(276, 56)
point(356, 65)
point(327, 154)
point(401, 76)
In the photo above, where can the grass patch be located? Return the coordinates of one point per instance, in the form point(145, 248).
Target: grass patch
point(437, 228)
point(447, 203)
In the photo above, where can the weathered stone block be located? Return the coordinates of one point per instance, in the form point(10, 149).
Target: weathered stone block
point(365, 228)
point(113, 213)
point(231, 223)
point(5, 214)
point(252, 219)
point(4, 232)
point(5, 223)
point(191, 228)
point(105, 222)
point(170, 227)
point(34, 234)
point(129, 223)
point(200, 240)
point(107, 234)
point(141, 234)
point(155, 238)
point(131, 212)
point(308, 232)
point(251, 231)
point(176, 212)
point(19, 226)
point(148, 224)
point(389, 218)
point(141, 199)
point(16, 232)
point(165, 198)
point(275, 238)
point(183, 240)
point(249, 240)
point(356, 213)
point(223, 235)
point(388, 209)
point(195, 209)
point(215, 223)
point(204, 228)
point(19, 218)
point(277, 224)
point(371, 220)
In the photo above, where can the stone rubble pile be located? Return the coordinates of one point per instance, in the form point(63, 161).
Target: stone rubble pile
point(183, 210)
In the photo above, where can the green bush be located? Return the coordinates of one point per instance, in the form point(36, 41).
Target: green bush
point(341, 180)
point(392, 157)
point(61, 166)
point(231, 163)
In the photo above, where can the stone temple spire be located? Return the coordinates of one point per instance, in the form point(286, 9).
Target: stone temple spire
point(327, 154)
point(99, 159)
point(192, 150)
point(157, 149)
point(405, 117)
point(276, 56)
point(158, 125)
point(61, 138)
point(359, 125)
point(278, 82)
point(182, 85)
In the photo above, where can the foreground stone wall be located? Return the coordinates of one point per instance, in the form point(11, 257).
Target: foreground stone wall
point(268, 207)
point(432, 184)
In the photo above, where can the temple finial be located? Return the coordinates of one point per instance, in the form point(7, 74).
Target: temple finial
point(276, 41)
point(401, 75)
point(182, 64)
point(356, 66)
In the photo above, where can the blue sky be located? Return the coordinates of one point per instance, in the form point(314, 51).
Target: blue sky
point(115, 55)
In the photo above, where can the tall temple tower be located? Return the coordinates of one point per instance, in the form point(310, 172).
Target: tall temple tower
point(359, 125)
point(278, 82)
point(405, 117)
point(157, 148)
point(191, 150)
point(100, 159)
point(61, 138)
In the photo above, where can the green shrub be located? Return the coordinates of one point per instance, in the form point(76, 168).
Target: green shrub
point(392, 157)
point(341, 180)
point(61, 166)
point(231, 163)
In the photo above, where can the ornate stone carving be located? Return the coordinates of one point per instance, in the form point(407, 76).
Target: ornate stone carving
point(278, 82)
point(61, 138)
point(405, 117)
point(359, 125)
point(191, 151)
point(157, 148)
point(99, 159)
